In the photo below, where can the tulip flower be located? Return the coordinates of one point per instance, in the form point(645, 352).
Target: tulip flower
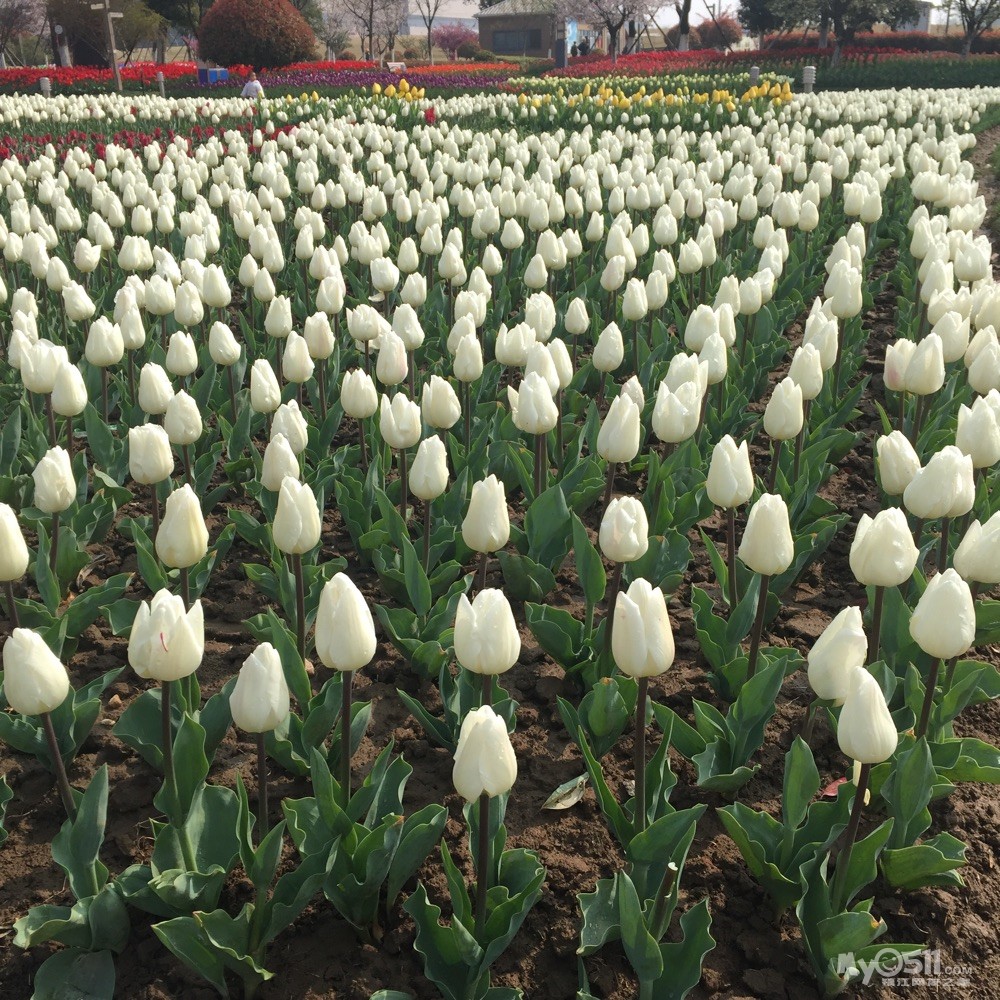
point(977, 558)
point(534, 411)
point(182, 540)
point(609, 352)
point(36, 683)
point(730, 485)
point(944, 488)
point(259, 704)
point(882, 555)
point(486, 638)
point(943, 625)
point(265, 393)
point(486, 527)
point(897, 462)
point(485, 766)
point(768, 549)
point(155, 389)
point(866, 733)
point(150, 461)
point(642, 644)
point(280, 462)
point(783, 420)
point(439, 404)
point(345, 642)
point(55, 491)
point(182, 356)
point(166, 644)
point(13, 556)
point(619, 437)
point(296, 530)
point(428, 480)
point(183, 424)
point(840, 650)
point(359, 399)
point(400, 426)
point(68, 398)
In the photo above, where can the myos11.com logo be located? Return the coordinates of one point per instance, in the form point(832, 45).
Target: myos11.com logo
point(896, 966)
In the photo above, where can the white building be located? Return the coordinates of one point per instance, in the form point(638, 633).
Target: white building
point(451, 12)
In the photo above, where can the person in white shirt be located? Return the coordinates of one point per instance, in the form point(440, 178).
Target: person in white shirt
point(252, 88)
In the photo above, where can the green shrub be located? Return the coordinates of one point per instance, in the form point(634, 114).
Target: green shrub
point(468, 50)
point(260, 33)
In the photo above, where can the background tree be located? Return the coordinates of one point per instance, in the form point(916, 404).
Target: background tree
point(683, 8)
point(259, 33)
point(975, 17)
point(428, 9)
point(721, 32)
point(451, 37)
point(17, 17)
point(612, 15)
point(376, 22)
point(760, 18)
point(138, 26)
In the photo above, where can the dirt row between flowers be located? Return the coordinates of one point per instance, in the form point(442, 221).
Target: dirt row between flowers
point(319, 958)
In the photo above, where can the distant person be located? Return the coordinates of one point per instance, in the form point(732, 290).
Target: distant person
point(574, 50)
point(584, 47)
point(252, 88)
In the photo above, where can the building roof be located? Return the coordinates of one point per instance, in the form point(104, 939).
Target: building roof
point(506, 8)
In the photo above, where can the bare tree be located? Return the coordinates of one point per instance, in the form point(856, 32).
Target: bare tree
point(377, 22)
point(17, 17)
point(613, 15)
point(428, 10)
point(976, 16)
point(683, 8)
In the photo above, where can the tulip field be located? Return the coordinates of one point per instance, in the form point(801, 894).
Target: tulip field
point(533, 543)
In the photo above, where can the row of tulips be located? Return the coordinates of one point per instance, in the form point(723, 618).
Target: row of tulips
point(508, 297)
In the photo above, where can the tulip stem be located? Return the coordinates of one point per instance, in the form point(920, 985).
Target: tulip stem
point(609, 618)
point(918, 420)
point(481, 573)
point(185, 575)
point(65, 792)
point(54, 544)
point(131, 377)
point(467, 415)
point(51, 418)
point(231, 381)
point(11, 606)
point(404, 485)
point(809, 723)
point(758, 626)
point(154, 495)
point(772, 479)
point(601, 388)
point(656, 927)
point(105, 405)
point(262, 802)
point(300, 605)
point(942, 556)
point(364, 445)
point(487, 689)
point(483, 871)
point(639, 757)
point(610, 487)
point(541, 440)
point(167, 733)
point(925, 711)
point(800, 439)
point(734, 597)
point(427, 535)
point(844, 859)
point(559, 429)
point(876, 627)
point(345, 736)
point(321, 386)
point(69, 437)
point(186, 453)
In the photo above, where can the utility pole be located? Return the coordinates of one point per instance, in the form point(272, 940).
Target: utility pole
point(109, 16)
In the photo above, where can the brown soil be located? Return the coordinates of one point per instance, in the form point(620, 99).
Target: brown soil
point(319, 958)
